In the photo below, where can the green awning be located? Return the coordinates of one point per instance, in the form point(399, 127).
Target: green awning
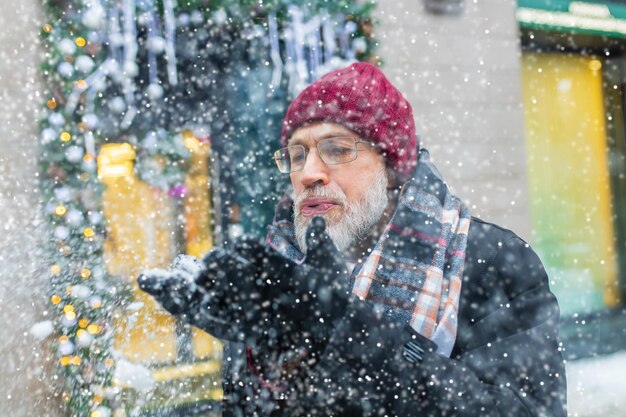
point(589, 17)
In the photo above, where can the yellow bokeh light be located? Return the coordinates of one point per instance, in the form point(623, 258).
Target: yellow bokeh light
point(47, 28)
point(595, 65)
point(115, 160)
point(80, 42)
point(80, 332)
point(52, 104)
point(97, 399)
point(95, 413)
point(88, 157)
point(65, 360)
point(82, 323)
point(66, 137)
point(96, 304)
point(75, 360)
point(68, 290)
point(81, 84)
point(88, 232)
point(191, 142)
point(68, 308)
point(70, 315)
point(109, 362)
point(55, 269)
point(93, 329)
point(60, 210)
point(85, 273)
point(64, 339)
point(55, 299)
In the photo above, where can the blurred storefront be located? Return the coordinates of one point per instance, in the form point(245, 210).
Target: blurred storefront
point(573, 78)
point(147, 227)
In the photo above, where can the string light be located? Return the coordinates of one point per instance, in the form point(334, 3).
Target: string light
point(65, 360)
point(52, 104)
point(60, 210)
point(66, 137)
point(93, 329)
point(55, 299)
point(64, 339)
point(88, 232)
point(55, 269)
point(80, 42)
point(85, 273)
point(70, 315)
point(82, 323)
point(75, 360)
point(81, 84)
point(47, 28)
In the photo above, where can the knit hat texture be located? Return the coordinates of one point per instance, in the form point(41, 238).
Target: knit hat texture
point(362, 99)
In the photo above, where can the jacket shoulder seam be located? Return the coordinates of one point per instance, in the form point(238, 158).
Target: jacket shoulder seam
point(499, 250)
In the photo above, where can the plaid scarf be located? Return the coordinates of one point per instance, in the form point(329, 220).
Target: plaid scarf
point(415, 271)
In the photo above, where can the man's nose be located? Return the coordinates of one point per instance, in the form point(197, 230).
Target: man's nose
point(315, 171)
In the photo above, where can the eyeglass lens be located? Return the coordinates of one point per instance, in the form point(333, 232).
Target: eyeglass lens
point(333, 151)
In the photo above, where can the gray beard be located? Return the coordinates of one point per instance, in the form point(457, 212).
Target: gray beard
point(356, 220)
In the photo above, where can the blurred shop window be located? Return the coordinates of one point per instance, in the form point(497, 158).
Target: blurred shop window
point(571, 193)
point(146, 228)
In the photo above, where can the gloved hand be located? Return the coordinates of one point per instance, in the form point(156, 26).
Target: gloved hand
point(305, 299)
point(253, 292)
point(182, 290)
point(174, 288)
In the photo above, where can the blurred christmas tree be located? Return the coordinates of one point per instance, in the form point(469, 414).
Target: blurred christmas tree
point(141, 72)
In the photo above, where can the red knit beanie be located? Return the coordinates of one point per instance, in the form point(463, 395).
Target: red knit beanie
point(362, 99)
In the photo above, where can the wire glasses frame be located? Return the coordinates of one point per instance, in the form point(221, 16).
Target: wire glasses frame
point(333, 151)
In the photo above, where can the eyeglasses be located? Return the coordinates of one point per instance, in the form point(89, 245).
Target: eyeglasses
point(333, 151)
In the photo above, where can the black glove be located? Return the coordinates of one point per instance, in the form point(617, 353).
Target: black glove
point(254, 292)
point(177, 291)
point(177, 282)
point(307, 298)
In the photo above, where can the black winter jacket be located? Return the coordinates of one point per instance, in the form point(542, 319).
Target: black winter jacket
point(506, 360)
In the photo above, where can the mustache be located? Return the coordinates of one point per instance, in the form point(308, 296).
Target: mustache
point(320, 191)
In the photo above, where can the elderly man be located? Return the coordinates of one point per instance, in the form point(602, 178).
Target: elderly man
point(375, 292)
